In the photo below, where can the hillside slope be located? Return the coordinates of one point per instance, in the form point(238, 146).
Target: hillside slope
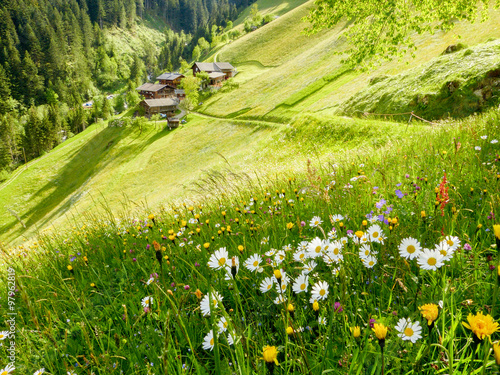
point(123, 169)
point(283, 72)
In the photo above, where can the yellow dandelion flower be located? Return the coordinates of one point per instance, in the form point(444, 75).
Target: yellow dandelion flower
point(270, 354)
point(430, 312)
point(380, 331)
point(481, 325)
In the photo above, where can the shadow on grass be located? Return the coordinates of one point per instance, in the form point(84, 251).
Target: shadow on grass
point(72, 178)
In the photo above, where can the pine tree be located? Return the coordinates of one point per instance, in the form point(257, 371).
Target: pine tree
point(4, 91)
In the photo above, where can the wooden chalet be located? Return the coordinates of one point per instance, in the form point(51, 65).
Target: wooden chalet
point(180, 94)
point(225, 68)
point(172, 79)
point(173, 122)
point(156, 91)
point(167, 106)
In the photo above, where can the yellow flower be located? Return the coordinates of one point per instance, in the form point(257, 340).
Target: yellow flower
point(496, 230)
point(92, 285)
point(289, 226)
point(156, 245)
point(270, 354)
point(430, 312)
point(394, 221)
point(422, 214)
point(315, 306)
point(198, 293)
point(380, 331)
point(481, 325)
point(289, 330)
point(277, 274)
point(356, 331)
point(496, 352)
point(206, 245)
point(151, 216)
point(240, 247)
point(365, 223)
point(70, 268)
point(290, 307)
point(359, 233)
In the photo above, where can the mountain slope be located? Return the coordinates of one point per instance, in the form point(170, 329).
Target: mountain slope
point(279, 65)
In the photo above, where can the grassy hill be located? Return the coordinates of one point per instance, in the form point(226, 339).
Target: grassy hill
point(125, 169)
point(284, 73)
point(289, 88)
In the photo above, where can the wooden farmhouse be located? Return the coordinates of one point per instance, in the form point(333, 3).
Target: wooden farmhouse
point(180, 94)
point(156, 91)
point(167, 106)
point(217, 72)
point(172, 79)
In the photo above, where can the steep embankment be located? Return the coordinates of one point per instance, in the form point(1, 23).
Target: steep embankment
point(283, 72)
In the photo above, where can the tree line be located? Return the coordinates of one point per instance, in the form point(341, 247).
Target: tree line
point(55, 55)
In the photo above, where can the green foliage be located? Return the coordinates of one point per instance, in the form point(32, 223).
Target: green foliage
point(161, 253)
point(381, 32)
point(451, 85)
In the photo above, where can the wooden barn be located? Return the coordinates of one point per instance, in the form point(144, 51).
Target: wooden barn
point(225, 68)
point(156, 91)
point(167, 106)
point(172, 79)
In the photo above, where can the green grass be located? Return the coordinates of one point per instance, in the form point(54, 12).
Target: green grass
point(137, 169)
point(89, 318)
point(274, 7)
point(456, 85)
point(296, 66)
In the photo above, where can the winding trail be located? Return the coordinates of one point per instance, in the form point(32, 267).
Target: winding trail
point(255, 122)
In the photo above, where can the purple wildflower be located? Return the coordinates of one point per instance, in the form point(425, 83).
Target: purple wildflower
point(399, 193)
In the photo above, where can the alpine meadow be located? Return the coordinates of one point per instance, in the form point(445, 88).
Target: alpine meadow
point(249, 187)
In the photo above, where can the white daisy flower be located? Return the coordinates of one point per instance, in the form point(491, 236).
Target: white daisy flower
point(430, 259)
point(315, 247)
point(453, 242)
point(409, 331)
point(39, 372)
point(484, 136)
point(284, 282)
point(271, 252)
point(7, 370)
point(344, 241)
point(287, 247)
point(336, 249)
point(301, 284)
point(303, 246)
point(264, 241)
point(151, 279)
point(223, 324)
point(211, 300)
point(145, 302)
point(230, 339)
point(266, 285)
point(4, 335)
point(375, 233)
point(252, 263)
point(322, 321)
point(336, 218)
point(445, 250)
point(208, 341)
point(315, 221)
point(218, 259)
point(320, 290)
point(300, 256)
point(308, 267)
point(477, 148)
point(279, 300)
point(332, 234)
point(280, 256)
point(409, 248)
point(369, 261)
point(365, 251)
point(494, 141)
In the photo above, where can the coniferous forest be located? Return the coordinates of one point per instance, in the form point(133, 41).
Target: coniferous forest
point(54, 56)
